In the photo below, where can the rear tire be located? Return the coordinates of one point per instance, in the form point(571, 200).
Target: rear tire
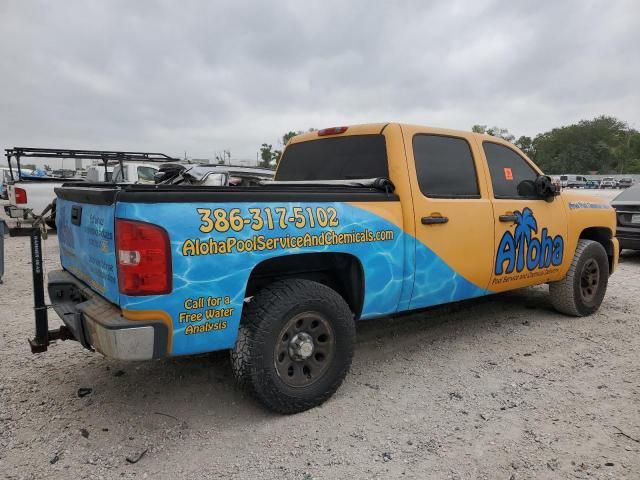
point(295, 345)
point(581, 292)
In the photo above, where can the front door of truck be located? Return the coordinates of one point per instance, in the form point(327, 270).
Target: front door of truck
point(530, 232)
point(453, 217)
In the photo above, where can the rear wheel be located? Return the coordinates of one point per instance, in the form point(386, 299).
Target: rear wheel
point(581, 292)
point(295, 345)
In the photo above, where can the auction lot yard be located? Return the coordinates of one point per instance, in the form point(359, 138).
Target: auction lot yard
point(498, 388)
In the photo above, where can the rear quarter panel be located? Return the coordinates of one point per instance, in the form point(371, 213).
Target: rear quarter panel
point(211, 266)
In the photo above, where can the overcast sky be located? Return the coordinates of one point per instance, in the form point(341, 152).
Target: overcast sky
point(206, 76)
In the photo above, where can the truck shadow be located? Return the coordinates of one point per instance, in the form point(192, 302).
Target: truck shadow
point(197, 391)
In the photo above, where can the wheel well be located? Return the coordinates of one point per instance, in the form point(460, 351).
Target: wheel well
point(602, 235)
point(340, 271)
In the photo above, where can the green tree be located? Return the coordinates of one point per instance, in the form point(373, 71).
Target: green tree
point(288, 136)
point(494, 131)
point(266, 155)
point(525, 144)
point(275, 157)
point(603, 145)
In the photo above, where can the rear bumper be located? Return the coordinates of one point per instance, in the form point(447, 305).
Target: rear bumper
point(98, 324)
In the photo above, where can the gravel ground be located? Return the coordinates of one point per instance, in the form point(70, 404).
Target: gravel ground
point(498, 388)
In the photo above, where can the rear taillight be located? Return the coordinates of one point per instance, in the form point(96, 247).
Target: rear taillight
point(331, 131)
point(144, 258)
point(21, 195)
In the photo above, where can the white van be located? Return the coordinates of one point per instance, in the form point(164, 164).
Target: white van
point(573, 181)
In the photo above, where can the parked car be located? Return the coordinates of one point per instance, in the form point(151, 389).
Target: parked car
point(608, 182)
point(592, 183)
point(354, 226)
point(627, 206)
point(625, 182)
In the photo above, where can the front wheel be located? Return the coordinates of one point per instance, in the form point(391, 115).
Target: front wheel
point(581, 292)
point(295, 345)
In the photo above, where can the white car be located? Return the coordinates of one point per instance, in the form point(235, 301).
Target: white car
point(608, 182)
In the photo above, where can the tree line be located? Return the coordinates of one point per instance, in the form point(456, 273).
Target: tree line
point(604, 145)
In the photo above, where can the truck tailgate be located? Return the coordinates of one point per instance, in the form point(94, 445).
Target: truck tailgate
point(87, 245)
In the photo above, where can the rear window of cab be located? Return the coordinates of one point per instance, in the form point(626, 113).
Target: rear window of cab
point(336, 158)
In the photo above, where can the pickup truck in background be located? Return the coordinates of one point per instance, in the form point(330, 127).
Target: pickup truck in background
point(361, 222)
point(29, 196)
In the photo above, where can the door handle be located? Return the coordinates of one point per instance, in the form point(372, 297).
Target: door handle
point(434, 220)
point(508, 218)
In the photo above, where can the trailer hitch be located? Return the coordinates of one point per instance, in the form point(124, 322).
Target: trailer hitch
point(44, 336)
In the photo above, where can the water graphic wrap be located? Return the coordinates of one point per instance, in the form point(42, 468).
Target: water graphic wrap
point(216, 247)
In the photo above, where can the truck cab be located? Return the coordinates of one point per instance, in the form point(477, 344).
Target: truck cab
point(360, 222)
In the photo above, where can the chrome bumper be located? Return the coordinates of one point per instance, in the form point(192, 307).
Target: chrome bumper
point(98, 324)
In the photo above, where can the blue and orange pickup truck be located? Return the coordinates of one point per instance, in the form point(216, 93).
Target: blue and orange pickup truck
point(360, 222)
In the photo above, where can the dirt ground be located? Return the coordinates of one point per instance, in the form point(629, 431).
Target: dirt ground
point(498, 388)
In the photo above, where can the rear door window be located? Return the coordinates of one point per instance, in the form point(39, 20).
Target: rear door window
point(511, 175)
point(336, 158)
point(444, 167)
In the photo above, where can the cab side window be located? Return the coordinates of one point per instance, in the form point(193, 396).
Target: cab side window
point(146, 174)
point(511, 175)
point(444, 166)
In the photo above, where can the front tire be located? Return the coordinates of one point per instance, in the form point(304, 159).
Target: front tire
point(581, 292)
point(295, 345)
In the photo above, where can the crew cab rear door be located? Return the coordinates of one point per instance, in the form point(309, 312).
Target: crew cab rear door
point(453, 217)
point(530, 231)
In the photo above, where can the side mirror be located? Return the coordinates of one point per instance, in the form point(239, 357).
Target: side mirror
point(546, 188)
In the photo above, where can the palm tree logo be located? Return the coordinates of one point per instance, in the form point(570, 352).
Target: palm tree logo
point(526, 226)
point(521, 248)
